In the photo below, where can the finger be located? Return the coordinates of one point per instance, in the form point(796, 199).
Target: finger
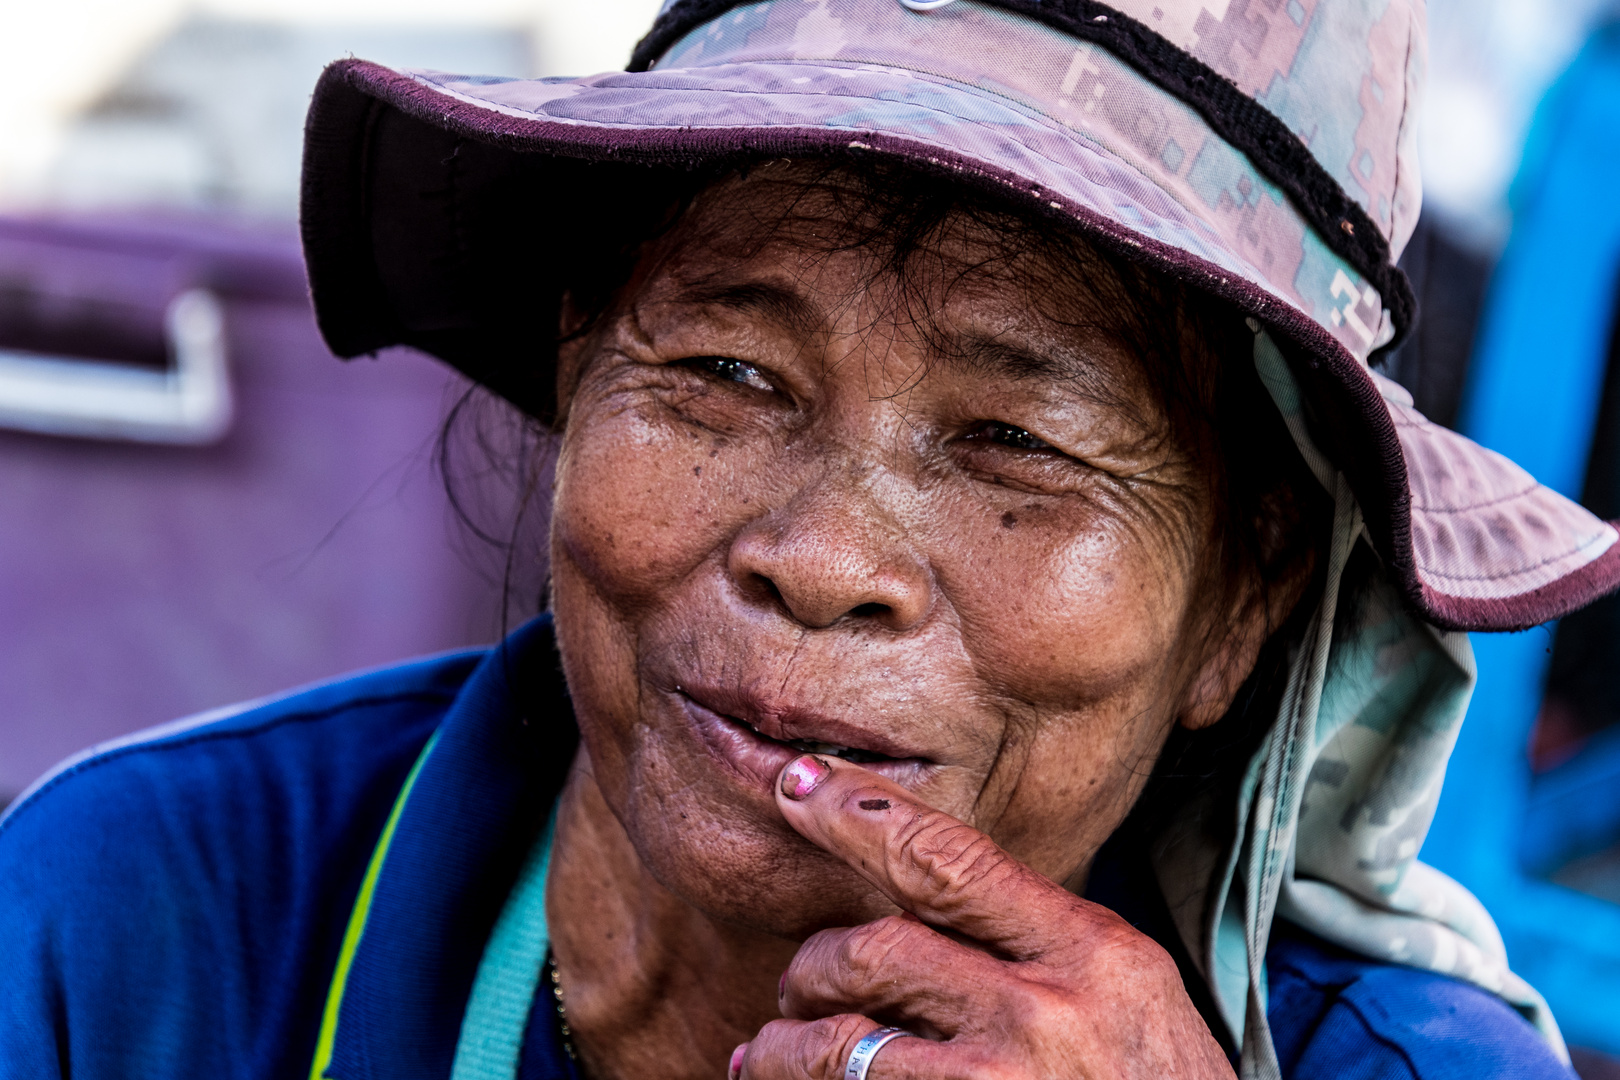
point(820, 1049)
point(896, 970)
point(945, 872)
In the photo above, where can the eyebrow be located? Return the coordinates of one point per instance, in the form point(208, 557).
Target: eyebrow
point(980, 354)
point(782, 306)
point(977, 354)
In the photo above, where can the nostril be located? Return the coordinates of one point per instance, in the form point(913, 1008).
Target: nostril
point(768, 590)
point(869, 611)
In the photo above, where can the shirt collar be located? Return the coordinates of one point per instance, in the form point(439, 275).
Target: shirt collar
point(481, 796)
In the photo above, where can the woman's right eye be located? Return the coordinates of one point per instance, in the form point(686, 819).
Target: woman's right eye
point(1008, 435)
point(731, 370)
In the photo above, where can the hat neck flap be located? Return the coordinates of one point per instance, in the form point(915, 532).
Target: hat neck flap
point(1335, 804)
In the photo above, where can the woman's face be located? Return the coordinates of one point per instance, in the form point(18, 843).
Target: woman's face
point(941, 529)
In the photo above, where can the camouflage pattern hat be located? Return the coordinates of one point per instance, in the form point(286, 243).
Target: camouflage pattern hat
point(1262, 150)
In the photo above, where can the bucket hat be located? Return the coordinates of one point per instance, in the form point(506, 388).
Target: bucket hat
point(1261, 150)
point(1264, 152)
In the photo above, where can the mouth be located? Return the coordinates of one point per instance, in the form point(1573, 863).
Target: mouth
point(759, 745)
point(811, 746)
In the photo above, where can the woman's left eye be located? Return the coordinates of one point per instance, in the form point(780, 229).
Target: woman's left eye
point(1008, 435)
point(731, 370)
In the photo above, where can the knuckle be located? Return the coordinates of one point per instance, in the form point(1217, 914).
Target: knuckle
point(1044, 1008)
point(825, 1045)
point(1154, 963)
point(1124, 947)
point(866, 953)
point(818, 950)
point(1110, 953)
point(952, 859)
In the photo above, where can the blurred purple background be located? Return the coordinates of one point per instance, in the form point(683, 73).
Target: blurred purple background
point(143, 582)
point(292, 529)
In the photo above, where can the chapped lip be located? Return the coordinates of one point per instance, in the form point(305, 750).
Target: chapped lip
point(793, 731)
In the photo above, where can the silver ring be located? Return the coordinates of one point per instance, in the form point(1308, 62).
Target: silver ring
point(860, 1058)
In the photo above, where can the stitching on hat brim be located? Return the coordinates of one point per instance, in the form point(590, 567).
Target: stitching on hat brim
point(1517, 571)
point(1553, 600)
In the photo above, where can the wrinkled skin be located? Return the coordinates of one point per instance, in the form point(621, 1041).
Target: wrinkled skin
point(796, 501)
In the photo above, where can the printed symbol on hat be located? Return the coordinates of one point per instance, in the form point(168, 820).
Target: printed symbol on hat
point(1080, 65)
point(1343, 286)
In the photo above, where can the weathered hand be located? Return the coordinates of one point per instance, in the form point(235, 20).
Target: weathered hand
point(1056, 987)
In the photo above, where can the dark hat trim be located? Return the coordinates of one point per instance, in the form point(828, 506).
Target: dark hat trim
point(1338, 220)
point(1552, 601)
point(358, 312)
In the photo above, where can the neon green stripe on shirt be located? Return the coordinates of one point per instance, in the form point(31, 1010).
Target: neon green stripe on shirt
point(357, 922)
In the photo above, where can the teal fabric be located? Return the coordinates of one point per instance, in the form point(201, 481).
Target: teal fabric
point(491, 1043)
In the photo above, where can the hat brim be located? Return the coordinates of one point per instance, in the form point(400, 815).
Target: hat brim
point(425, 214)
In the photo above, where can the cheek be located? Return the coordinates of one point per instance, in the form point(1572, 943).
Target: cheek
point(632, 519)
point(638, 504)
point(1081, 621)
point(1070, 613)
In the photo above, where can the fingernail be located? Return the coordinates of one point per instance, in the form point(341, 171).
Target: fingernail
point(734, 1070)
point(803, 775)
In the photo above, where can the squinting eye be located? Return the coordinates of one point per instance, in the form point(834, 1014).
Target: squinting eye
point(1007, 435)
point(737, 371)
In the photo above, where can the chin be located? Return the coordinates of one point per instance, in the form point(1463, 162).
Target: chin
point(719, 847)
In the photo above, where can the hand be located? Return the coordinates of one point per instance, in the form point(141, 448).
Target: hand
point(1032, 981)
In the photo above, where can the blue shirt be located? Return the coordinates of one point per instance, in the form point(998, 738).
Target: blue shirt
point(174, 904)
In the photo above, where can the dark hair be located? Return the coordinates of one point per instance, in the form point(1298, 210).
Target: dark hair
point(1195, 352)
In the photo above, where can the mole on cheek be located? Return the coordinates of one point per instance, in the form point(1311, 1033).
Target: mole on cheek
point(874, 804)
point(1009, 519)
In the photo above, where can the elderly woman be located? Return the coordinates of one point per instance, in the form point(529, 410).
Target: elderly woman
point(999, 626)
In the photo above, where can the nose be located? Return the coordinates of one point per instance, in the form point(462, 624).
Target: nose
point(834, 554)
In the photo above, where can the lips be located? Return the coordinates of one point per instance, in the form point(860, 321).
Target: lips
point(758, 741)
point(811, 746)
